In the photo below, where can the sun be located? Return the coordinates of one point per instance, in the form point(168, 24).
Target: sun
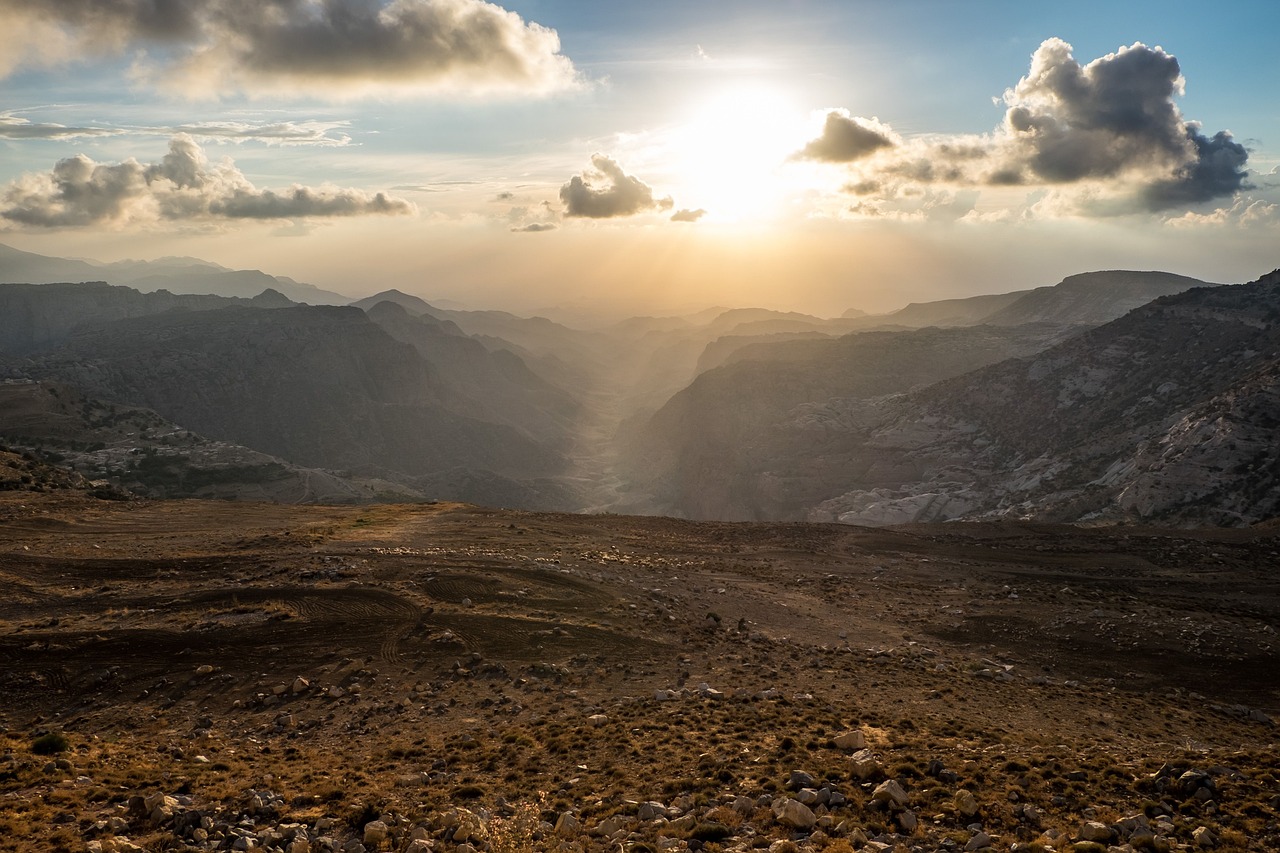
point(732, 150)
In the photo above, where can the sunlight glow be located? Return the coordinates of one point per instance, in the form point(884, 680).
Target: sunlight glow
point(732, 151)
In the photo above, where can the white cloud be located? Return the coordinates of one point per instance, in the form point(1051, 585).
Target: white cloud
point(183, 186)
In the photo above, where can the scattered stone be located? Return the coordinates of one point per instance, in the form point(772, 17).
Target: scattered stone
point(966, 803)
point(375, 832)
point(889, 791)
point(793, 813)
point(1094, 831)
point(851, 740)
point(979, 840)
point(598, 720)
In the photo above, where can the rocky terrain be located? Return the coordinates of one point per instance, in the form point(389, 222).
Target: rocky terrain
point(231, 676)
point(1166, 414)
point(320, 387)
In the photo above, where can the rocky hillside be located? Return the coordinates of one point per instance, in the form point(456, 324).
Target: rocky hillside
point(708, 453)
point(1167, 414)
point(38, 315)
point(317, 386)
point(495, 386)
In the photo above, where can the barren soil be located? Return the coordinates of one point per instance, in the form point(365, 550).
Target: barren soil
point(272, 667)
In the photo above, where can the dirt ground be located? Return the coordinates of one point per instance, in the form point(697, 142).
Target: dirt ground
point(408, 662)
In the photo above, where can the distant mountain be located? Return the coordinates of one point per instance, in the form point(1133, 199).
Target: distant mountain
point(495, 386)
point(1091, 298)
point(701, 454)
point(19, 267)
point(318, 386)
point(38, 315)
point(970, 311)
point(412, 304)
point(1168, 414)
point(176, 275)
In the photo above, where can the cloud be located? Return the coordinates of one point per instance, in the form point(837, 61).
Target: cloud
point(1105, 137)
point(285, 133)
point(846, 138)
point(319, 133)
point(606, 192)
point(687, 215)
point(15, 127)
point(183, 186)
point(535, 227)
point(322, 48)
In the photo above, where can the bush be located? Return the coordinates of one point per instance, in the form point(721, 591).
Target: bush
point(50, 744)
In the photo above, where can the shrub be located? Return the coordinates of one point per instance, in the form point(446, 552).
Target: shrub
point(50, 744)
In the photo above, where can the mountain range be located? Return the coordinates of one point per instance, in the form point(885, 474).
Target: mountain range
point(1112, 396)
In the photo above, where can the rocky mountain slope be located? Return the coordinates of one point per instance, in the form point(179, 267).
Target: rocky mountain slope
point(38, 315)
point(494, 386)
point(701, 455)
point(133, 452)
point(318, 386)
point(1167, 414)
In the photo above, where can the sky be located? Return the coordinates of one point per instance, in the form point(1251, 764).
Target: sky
point(659, 157)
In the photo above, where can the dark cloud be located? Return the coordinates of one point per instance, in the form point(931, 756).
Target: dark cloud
point(1107, 136)
point(1115, 118)
point(687, 215)
point(1218, 170)
point(608, 192)
point(534, 227)
point(182, 186)
point(846, 138)
point(317, 47)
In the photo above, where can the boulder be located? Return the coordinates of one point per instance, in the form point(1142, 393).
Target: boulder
point(889, 791)
point(851, 740)
point(793, 813)
point(1094, 831)
point(375, 832)
point(966, 803)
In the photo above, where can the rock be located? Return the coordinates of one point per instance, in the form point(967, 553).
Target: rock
point(889, 791)
point(851, 740)
point(799, 779)
point(1203, 837)
point(467, 826)
point(608, 826)
point(375, 832)
point(419, 845)
point(863, 764)
point(598, 720)
point(978, 841)
point(299, 685)
point(966, 803)
point(651, 810)
point(908, 821)
point(665, 695)
point(1094, 831)
point(793, 813)
point(568, 825)
point(204, 669)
